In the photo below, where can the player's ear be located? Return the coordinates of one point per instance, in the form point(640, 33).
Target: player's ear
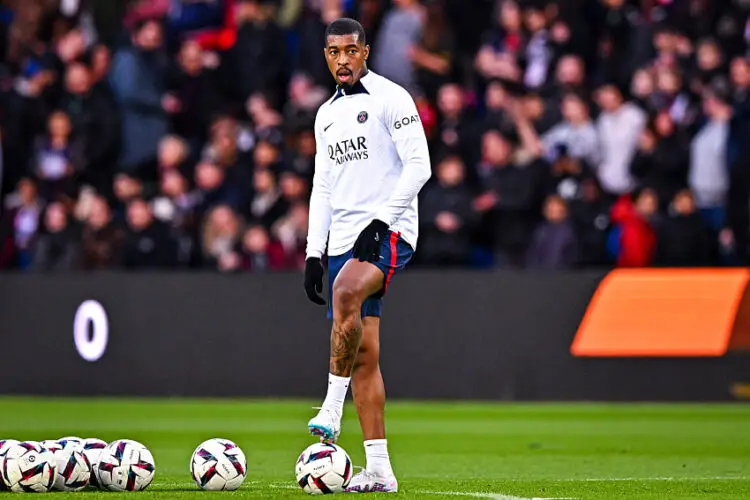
point(367, 52)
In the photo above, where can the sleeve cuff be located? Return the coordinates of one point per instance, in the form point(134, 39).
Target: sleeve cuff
point(314, 254)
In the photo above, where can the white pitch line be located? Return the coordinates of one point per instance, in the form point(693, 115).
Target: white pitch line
point(473, 494)
point(635, 479)
point(476, 494)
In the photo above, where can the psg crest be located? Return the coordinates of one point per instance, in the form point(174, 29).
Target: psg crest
point(362, 117)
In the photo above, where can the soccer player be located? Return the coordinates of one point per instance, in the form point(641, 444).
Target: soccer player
point(371, 162)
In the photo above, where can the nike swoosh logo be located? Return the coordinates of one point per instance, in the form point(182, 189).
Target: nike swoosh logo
point(327, 127)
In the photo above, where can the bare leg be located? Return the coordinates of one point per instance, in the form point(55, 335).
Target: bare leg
point(367, 382)
point(356, 281)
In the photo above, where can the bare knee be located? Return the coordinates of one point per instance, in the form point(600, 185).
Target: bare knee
point(347, 298)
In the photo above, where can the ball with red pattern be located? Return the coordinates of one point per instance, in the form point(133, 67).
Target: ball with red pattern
point(125, 465)
point(218, 464)
point(5, 445)
point(323, 469)
point(29, 468)
point(92, 448)
point(73, 470)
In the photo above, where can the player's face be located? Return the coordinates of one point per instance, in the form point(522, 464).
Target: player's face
point(347, 58)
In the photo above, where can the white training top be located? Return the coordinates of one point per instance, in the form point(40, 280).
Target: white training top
point(372, 159)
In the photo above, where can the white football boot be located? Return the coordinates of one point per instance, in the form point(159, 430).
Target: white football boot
point(326, 425)
point(367, 482)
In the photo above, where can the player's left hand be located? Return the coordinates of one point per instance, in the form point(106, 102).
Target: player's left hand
point(367, 246)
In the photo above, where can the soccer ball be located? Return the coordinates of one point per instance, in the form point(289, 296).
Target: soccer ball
point(5, 445)
point(29, 468)
point(218, 464)
point(125, 465)
point(71, 442)
point(73, 470)
point(92, 448)
point(323, 469)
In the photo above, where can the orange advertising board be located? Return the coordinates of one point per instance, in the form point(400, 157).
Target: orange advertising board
point(667, 313)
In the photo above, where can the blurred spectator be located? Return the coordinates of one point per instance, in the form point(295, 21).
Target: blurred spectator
point(683, 239)
point(619, 125)
point(147, 242)
point(291, 232)
point(126, 188)
point(662, 160)
point(509, 187)
point(497, 99)
point(497, 58)
point(212, 188)
point(301, 158)
point(256, 61)
point(590, 215)
point(709, 169)
point(96, 124)
point(457, 129)
point(222, 231)
point(570, 76)
point(740, 78)
point(538, 55)
point(100, 61)
point(174, 154)
point(433, 55)
point(398, 36)
point(57, 247)
point(56, 157)
point(19, 225)
point(139, 83)
point(267, 205)
point(195, 95)
point(709, 65)
point(670, 96)
point(259, 253)
point(448, 219)
point(102, 239)
point(177, 207)
point(576, 134)
point(568, 174)
point(554, 243)
point(304, 100)
point(294, 189)
point(634, 239)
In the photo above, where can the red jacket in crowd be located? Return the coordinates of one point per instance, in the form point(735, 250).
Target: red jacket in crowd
point(637, 237)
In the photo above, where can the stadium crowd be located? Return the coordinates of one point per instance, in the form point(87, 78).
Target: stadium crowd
point(178, 133)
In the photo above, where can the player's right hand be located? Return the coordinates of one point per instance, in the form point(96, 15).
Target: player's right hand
point(314, 280)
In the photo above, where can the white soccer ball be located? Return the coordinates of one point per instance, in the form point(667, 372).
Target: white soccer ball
point(125, 465)
point(29, 468)
point(323, 469)
point(73, 470)
point(92, 448)
point(72, 442)
point(218, 464)
point(5, 445)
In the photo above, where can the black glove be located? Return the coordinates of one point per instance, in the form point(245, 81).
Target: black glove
point(314, 280)
point(367, 246)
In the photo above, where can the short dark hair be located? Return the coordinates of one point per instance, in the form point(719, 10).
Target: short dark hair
point(346, 26)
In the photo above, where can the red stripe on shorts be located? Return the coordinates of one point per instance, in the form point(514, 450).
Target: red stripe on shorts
point(394, 259)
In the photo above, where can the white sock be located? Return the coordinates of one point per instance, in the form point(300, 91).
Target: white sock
point(378, 461)
point(337, 389)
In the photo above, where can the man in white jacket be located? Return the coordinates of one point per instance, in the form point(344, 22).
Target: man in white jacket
point(620, 124)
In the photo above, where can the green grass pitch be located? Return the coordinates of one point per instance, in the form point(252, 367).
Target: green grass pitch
point(439, 450)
